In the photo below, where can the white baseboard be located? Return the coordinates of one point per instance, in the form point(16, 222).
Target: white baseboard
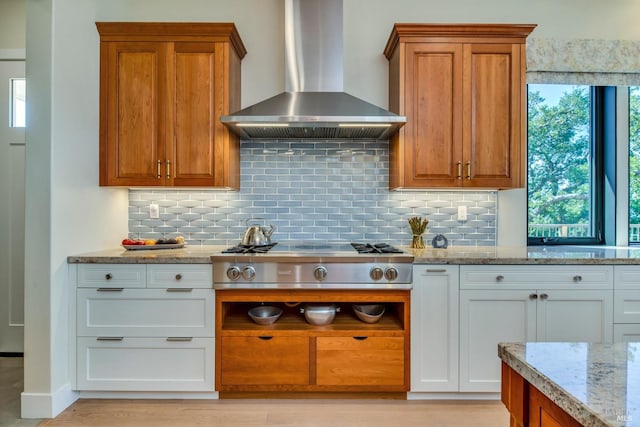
point(147, 395)
point(47, 405)
point(452, 396)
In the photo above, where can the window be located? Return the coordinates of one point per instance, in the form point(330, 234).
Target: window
point(634, 164)
point(18, 103)
point(569, 139)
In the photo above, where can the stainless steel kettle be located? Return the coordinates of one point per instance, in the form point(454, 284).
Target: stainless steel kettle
point(255, 235)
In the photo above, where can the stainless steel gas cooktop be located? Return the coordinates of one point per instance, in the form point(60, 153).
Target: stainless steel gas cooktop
point(289, 265)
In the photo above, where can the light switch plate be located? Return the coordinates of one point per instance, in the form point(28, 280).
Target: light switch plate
point(462, 213)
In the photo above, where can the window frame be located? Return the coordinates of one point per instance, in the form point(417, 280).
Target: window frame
point(603, 169)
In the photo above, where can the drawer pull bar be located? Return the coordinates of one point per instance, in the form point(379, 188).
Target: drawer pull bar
point(110, 289)
point(179, 338)
point(265, 338)
point(436, 270)
point(360, 338)
point(110, 338)
point(179, 289)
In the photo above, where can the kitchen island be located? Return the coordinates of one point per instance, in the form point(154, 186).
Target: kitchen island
point(571, 384)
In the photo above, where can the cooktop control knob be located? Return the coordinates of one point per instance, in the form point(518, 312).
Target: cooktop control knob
point(248, 273)
point(320, 273)
point(391, 273)
point(376, 273)
point(233, 273)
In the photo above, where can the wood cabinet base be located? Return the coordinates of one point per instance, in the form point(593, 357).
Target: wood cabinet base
point(528, 406)
point(292, 356)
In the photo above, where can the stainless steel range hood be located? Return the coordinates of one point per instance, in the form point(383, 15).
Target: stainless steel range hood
point(314, 104)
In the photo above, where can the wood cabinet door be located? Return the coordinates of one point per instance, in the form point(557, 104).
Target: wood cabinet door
point(196, 87)
point(272, 360)
point(358, 361)
point(132, 93)
point(493, 115)
point(433, 103)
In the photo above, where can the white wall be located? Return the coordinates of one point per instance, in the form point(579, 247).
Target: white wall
point(12, 24)
point(68, 213)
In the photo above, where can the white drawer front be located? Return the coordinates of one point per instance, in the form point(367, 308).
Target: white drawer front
point(111, 275)
point(626, 333)
point(627, 277)
point(145, 364)
point(536, 277)
point(626, 306)
point(179, 276)
point(145, 313)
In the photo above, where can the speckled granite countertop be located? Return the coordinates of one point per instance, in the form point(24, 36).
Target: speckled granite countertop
point(597, 384)
point(453, 255)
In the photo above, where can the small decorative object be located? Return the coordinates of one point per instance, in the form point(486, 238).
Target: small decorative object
point(439, 241)
point(418, 227)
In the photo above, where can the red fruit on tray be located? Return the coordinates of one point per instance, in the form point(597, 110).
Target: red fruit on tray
point(127, 242)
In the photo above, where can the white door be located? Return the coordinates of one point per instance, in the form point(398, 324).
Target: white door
point(488, 317)
point(434, 328)
point(572, 316)
point(12, 170)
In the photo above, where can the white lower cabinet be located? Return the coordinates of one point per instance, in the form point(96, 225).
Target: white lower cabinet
point(145, 327)
point(488, 317)
point(434, 329)
point(626, 295)
point(528, 303)
point(145, 364)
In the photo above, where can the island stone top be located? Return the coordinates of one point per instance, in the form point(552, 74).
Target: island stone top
point(594, 255)
point(597, 384)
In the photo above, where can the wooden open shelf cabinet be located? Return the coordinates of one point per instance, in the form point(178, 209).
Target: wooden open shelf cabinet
point(292, 355)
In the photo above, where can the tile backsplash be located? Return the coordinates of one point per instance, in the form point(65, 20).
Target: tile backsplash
point(335, 190)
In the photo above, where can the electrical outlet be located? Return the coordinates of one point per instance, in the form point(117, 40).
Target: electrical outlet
point(462, 213)
point(154, 211)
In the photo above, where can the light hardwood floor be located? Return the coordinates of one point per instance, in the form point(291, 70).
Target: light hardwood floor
point(298, 413)
point(248, 413)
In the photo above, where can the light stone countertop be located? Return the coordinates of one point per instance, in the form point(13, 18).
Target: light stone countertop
point(593, 255)
point(597, 384)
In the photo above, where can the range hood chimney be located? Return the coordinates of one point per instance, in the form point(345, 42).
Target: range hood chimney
point(314, 104)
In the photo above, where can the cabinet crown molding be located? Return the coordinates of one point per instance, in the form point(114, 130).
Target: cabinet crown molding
point(172, 31)
point(516, 33)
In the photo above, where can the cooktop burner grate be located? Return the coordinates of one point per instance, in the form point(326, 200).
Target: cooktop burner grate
point(249, 249)
point(375, 248)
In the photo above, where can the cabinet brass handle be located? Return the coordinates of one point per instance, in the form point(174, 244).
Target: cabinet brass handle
point(179, 338)
point(469, 170)
point(108, 276)
point(110, 289)
point(178, 276)
point(159, 169)
point(109, 338)
point(533, 296)
point(459, 170)
point(168, 169)
point(544, 296)
point(577, 278)
point(360, 338)
point(179, 289)
point(499, 278)
point(265, 338)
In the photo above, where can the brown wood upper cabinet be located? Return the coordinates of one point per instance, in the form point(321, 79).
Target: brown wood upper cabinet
point(462, 89)
point(163, 88)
